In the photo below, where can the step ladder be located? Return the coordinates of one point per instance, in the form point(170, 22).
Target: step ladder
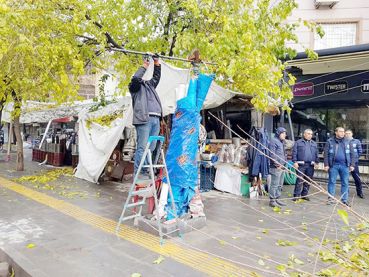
point(150, 187)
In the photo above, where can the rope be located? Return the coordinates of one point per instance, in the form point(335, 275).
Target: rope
point(308, 180)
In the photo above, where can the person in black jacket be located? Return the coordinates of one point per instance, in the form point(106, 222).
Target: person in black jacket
point(279, 158)
point(305, 158)
point(147, 109)
point(358, 150)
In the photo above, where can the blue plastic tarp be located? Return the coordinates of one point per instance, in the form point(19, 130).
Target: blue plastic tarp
point(183, 145)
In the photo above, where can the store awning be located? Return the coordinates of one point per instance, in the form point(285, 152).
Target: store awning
point(340, 59)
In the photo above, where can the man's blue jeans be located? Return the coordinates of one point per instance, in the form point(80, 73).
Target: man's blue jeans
point(343, 171)
point(144, 131)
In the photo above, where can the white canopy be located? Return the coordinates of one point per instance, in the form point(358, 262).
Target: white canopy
point(96, 143)
point(173, 77)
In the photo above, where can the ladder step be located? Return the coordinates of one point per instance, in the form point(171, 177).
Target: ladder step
point(154, 166)
point(130, 217)
point(141, 191)
point(136, 204)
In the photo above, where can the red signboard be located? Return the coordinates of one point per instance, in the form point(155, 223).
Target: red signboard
point(303, 89)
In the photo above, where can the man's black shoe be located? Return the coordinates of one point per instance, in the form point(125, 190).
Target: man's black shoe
point(306, 198)
point(273, 203)
point(347, 204)
point(280, 203)
point(361, 196)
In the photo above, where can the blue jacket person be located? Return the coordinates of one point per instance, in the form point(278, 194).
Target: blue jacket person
point(305, 158)
point(338, 160)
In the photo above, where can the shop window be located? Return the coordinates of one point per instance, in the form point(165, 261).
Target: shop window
point(324, 121)
point(336, 35)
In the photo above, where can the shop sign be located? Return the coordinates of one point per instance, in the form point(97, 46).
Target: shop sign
point(365, 86)
point(303, 89)
point(336, 87)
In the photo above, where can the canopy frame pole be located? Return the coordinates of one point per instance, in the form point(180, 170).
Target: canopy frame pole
point(126, 51)
point(44, 136)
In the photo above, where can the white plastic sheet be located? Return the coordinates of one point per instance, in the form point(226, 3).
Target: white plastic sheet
point(228, 179)
point(173, 81)
point(98, 142)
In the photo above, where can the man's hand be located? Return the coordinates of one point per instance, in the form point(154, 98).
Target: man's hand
point(351, 168)
point(156, 57)
point(146, 60)
point(296, 165)
point(146, 64)
point(326, 168)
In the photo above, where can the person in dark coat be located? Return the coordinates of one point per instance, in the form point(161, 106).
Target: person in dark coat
point(358, 150)
point(279, 158)
point(339, 159)
point(305, 158)
point(147, 109)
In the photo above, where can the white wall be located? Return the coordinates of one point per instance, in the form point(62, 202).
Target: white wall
point(344, 11)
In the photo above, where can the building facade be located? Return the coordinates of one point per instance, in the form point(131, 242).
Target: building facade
point(333, 90)
point(345, 22)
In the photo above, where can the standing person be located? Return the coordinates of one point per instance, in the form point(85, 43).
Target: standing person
point(147, 108)
point(358, 150)
point(305, 158)
point(278, 154)
point(338, 160)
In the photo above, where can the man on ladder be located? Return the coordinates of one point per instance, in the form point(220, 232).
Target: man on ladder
point(147, 109)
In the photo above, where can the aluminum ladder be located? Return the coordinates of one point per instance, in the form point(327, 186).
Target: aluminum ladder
point(150, 185)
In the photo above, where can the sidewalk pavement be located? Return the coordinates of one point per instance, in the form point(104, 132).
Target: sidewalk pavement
point(66, 228)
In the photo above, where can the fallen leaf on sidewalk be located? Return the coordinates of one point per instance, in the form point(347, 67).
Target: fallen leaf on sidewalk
point(298, 201)
point(234, 237)
point(277, 209)
point(281, 268)
point(222, 242)
point(261, 262)
point(136, 275)
point(344, 216)
point(296, 260)
point(265, 231)
point(159, 260)
point(285, 243)
point(31, 245)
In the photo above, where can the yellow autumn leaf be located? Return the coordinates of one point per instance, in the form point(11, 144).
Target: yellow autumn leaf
point(159, 260)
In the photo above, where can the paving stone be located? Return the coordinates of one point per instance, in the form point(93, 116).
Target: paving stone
point(4, 269)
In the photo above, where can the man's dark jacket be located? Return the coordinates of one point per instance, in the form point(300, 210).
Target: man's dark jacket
point(358, 149)
point(331, 148)
point(299, 149)
point(277, 152)
point(139, 90)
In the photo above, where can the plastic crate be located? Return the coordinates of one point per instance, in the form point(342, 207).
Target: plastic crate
point(207, 176)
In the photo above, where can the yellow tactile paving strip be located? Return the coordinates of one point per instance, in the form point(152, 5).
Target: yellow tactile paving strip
point(203, 262)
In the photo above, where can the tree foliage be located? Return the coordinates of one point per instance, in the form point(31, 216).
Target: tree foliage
point(45, 45)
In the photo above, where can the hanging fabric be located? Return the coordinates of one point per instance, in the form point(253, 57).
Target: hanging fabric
point(258, 160)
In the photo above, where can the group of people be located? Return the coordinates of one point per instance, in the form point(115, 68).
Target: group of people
point(341, 156)
point(341, 152)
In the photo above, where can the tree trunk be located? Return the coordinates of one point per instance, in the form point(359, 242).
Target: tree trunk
point(20, 157)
